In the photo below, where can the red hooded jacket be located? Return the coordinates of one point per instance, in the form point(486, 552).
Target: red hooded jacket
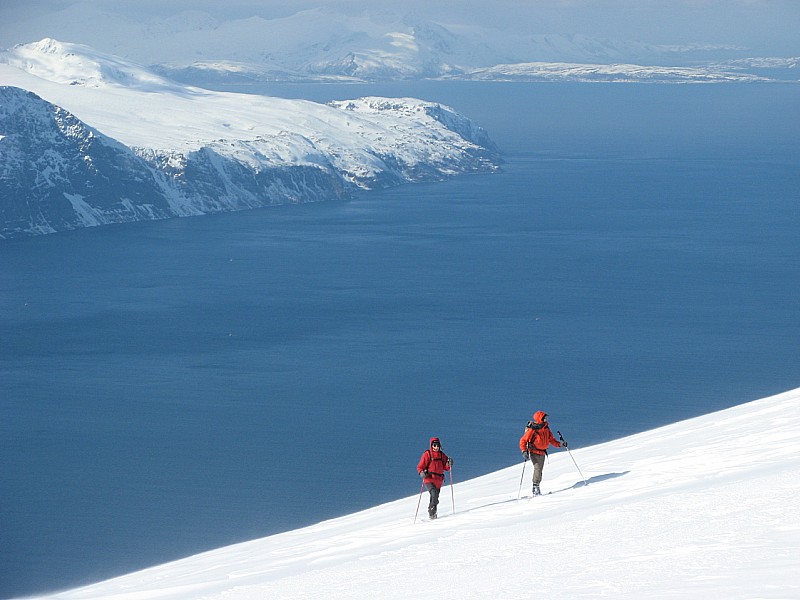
point(538, 437)
point(435, 461)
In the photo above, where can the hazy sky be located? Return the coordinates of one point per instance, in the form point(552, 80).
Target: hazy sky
point(770, 26)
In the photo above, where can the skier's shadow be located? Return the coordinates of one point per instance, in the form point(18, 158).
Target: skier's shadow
point(594, 479)
point(579, 484)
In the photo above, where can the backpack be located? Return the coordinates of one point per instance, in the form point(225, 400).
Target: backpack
point(431, 460)
point(540, 439)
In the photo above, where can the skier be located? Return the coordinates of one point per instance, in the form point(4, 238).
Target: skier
point(534, 444)
point(431, 468)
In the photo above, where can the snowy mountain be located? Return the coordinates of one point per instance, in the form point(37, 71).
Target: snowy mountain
point(209, 44)
point(424, 50)
point(102, 140)
point(705, 507)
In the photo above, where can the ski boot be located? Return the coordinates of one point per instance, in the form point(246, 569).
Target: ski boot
point(536, 490)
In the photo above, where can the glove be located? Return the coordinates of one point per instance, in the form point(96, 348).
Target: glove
point(424, 473)
point(450, 461)
point(525, 455)
point(564, 443)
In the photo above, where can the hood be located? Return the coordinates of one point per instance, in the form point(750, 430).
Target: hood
point(435, 439)
point(538, 417)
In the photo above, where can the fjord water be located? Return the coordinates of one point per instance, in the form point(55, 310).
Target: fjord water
point(176, 386)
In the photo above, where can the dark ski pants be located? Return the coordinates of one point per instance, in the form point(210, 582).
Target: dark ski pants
point(434, 502)
point(538, 466)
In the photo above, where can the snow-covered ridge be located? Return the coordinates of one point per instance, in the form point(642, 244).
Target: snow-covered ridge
point(539, 71)
point(215, 73)
point(769, 62)
point(202, 151)
point(706, 507)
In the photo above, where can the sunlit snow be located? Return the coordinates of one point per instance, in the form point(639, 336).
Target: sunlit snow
point(705, 508)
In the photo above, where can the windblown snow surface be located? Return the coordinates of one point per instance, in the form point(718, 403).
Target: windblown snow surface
point(705, 508)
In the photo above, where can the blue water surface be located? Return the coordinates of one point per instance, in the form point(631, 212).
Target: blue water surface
point(172, 387)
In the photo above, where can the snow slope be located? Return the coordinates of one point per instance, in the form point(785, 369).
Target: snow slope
point(706, 507)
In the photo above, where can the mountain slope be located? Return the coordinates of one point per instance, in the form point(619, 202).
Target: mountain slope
point(56, 173)
point(193, 151)
point(707, 507)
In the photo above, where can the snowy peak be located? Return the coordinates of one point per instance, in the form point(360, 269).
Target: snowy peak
point(77, 64)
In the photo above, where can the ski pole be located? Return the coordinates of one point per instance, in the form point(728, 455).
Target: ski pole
point(421, 487)
point(452, 493)
point(521, 477)
point(561, 439)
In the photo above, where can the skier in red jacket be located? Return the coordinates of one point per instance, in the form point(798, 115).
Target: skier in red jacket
point(431, 468)
point(534, 444)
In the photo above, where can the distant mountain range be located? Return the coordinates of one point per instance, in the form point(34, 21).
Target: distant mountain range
point(89, 139)
point(375, 42)
point(411, 50)
point(583, 72)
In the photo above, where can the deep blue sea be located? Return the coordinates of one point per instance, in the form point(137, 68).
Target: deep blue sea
point(172, 387)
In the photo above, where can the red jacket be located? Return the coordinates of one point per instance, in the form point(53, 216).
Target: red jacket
point(435, 461)
point(538, 437)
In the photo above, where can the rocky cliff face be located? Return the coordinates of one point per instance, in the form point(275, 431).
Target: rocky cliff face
point(56, 173)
